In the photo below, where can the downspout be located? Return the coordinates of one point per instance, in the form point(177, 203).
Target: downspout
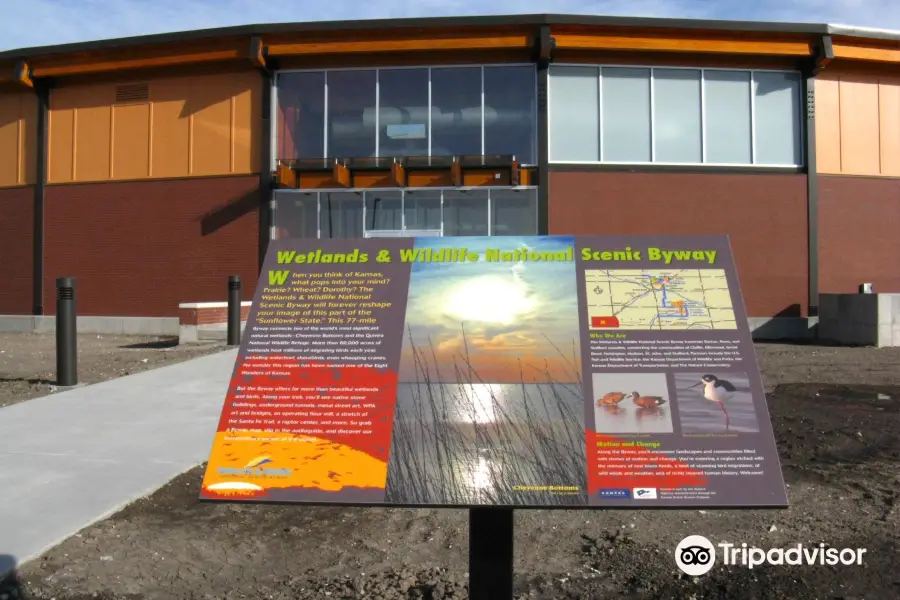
point(543, 55)
point(824, 54)
point(266, 178)
point(42, 90)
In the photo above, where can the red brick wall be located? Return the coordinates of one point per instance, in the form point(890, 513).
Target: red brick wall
point(859, 219)
point(142, 248)
point(208, 316)
point(16, 227)
point(765, 216)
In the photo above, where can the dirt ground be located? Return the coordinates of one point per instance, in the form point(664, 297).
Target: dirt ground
point(839, 443)
point(28, 361)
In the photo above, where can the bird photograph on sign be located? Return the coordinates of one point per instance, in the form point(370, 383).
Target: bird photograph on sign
point(620, 408)
point(713, 402)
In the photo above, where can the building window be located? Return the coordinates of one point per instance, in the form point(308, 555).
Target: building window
point(639, 115)
point(510, 112)
point(395, 212)
point(422, 210)
point(456, 111)
point(350, 114)
point(513, 212)
point(302, 101)
point(340, 215)
point(384, 210)
point(424, 111)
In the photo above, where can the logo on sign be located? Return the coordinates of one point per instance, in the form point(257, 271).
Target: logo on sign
point(695, 555)
point(645, 493)
point(614, 493)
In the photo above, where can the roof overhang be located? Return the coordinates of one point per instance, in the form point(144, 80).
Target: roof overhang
point(261, 46)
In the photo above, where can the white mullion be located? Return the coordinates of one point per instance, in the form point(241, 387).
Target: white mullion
point(600, 113)
point(752, 119)
point(325, 133)
point(318, 215)
point(442, 213)
point(273, 124)
point(482, 113)
point(490, 214)
point(652, 117)
point(377, 113)
point(703, 116)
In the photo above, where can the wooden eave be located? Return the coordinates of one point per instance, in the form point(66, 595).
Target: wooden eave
point(355, 45)
point(680, 41)
point(870, 50)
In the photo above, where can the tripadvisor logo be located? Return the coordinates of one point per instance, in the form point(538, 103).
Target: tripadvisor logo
point(695, 555)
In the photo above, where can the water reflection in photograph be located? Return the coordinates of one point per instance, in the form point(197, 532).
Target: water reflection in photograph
point(488, 444)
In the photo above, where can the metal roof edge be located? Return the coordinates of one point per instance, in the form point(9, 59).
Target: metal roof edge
point(419, 22)
point(863, 32)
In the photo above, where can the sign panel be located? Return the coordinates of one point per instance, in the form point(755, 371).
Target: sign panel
point(534, 371)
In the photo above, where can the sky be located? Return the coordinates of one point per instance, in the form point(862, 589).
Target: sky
point(499, 314)
point(50, 22)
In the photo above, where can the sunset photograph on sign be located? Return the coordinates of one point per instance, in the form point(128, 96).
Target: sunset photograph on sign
point(508, 321)
point(490, 407)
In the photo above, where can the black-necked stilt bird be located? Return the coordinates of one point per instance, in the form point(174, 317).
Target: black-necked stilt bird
point(647, 401)
point(611, 399)
point(717, 390)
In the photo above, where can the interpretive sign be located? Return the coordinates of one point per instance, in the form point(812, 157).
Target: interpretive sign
point(467, 371)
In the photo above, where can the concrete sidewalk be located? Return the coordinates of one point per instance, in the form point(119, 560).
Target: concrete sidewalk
point(75, 457)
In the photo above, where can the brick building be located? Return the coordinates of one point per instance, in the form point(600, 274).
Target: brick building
point(151, 168)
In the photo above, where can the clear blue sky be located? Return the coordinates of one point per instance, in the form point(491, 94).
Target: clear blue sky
point(48, 22)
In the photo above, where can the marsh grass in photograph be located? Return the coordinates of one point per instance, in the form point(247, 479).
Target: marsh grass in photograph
point(459, 440)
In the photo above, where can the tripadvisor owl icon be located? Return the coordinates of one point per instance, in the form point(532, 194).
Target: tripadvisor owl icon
point(695, 555)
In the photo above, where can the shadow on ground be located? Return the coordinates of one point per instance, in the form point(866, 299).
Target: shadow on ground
point(10, 586)
point(28, 380)
point(161, 344)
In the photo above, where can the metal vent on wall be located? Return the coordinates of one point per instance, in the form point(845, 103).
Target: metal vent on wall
point(136, 92)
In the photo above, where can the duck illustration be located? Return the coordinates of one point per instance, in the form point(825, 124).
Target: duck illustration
point(647, 401)
point(611, 399)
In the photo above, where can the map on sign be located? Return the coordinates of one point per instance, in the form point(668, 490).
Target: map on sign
point(664, 299)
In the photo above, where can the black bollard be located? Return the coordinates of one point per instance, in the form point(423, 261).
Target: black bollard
point(234, 310)
point(66, 341)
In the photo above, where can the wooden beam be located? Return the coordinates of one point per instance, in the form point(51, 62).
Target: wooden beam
point(648, 43)
point(520, 175)
point(398, 174)
point(108, 63)
point(872, 53)
point(23, 74)
point(341, 174)
point(528, 176)
point(257, 53)
point(824, 53)
point(286, 177)
point(456, 173)
point(446, 42)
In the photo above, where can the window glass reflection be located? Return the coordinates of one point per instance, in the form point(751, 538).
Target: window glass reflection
point(514, 212)
point(466, 212)
point(384, 210)
point(296, 215)
point(351, 114)
point(422, 209)
point(403, 112)
point(301, 115)
point(341, 215)
point(455, 111)
point(510, 113)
